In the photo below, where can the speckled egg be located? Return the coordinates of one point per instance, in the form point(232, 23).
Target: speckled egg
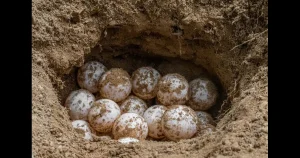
point(133, 104)
point(172, 90)
point(204, 118)
point(128, 140)
point(89, 74)
point(202, 94)
point(103, 114)
point(83, 128)
point(144, 82)
point(207, 129)
point(115, 84)
point(179, 122)
point(130, 125)
point(79, 103)
point(153, 117)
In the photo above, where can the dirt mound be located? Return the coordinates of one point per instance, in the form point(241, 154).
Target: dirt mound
point(225, 40)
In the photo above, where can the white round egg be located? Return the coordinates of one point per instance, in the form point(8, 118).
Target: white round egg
point(115, 84)
point(144, 82)
point(89, 74)
point(130, 125)
point(179, 122)
point(83, 127)
point(172, 90)
point(153, 117)
point(128, 140)
point(202, 94)
point(133, 104)
point(79, 103)
point(103, 114)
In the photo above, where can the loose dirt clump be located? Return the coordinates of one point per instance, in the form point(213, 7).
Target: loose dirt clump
point(226, 41)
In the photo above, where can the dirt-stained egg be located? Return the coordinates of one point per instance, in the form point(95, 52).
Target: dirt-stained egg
point(144, 82)
point(153, 117)
point(128, 140)
point(115, 84)
point(207, 129)
point(202, 94)
point(89, 74)
point(130, 125)
point(103, 114)
point(133, 104)
point(204, 118)
point(79, 103)
point(172, 90)
point(83, 128)
point(179, 122)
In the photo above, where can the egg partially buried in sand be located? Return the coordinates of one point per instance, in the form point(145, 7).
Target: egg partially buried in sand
point(202, 94)
point(115, 84)
point(79, 103)
point(133, 104)
point(83, 127)
point(89, 74)
point(144, 82)
point(179, 122)
point(172, 90)
point(153, 117)
point(204, 118)
point(130, 125)
point(103, 114)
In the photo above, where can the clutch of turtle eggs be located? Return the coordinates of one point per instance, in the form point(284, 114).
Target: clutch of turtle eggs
point(120, 107)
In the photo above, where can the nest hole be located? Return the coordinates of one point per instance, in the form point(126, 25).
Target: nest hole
point(131, 56)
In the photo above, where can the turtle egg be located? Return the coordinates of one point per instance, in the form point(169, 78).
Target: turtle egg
point(130, 125)
point(207, 129)
point(89, 74)
point(103, 114)
point(204, 118)
point(172, 90)
point(128, 140)
point(115, 84)
point(179, 122)
point(83, 127)
point(202, 94)
point(144, 82)
point(133, 104)
point(153, 117)
point(79, 103)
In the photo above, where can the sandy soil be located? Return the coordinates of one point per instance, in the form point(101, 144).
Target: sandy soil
point(229, 39)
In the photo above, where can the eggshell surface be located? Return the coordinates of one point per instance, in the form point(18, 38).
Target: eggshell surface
point(79, 103)
point(103, 114)
point(130, 125)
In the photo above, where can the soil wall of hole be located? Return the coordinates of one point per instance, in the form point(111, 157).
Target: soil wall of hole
point(229, 39)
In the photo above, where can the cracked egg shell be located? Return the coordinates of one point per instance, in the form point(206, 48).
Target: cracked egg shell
point(153, 117)
point(130, 125)
point(179, 122)
point(172, 90)
point(133, 104)
point(79, 103)
point(83, 127)
point(115, 84)
point(202, 94)
point(89, 74)
point(103, 114)
point(144, 82)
